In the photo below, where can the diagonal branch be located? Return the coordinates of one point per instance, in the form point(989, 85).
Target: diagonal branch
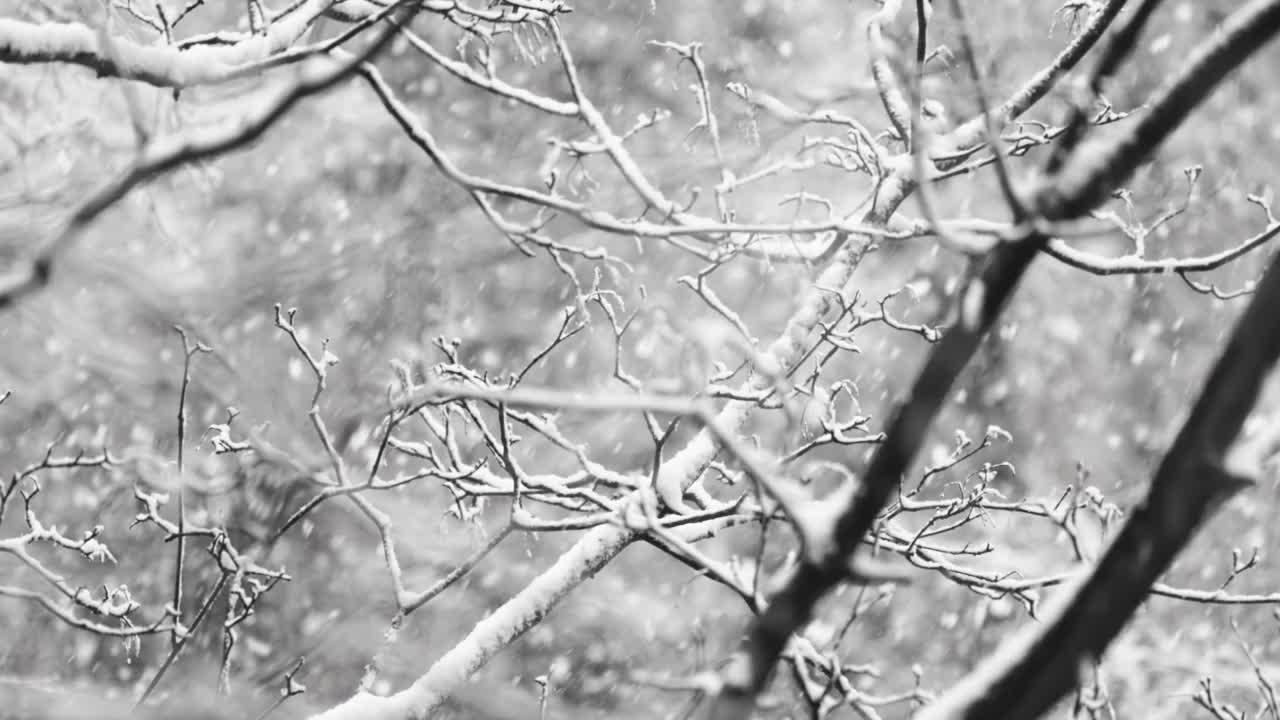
point(164, 154)
point(1085, 180)
point(1031, 672)
point(27, 43)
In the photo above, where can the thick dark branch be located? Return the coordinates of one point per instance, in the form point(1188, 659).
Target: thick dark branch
point(793, 606)
point(1085, 181)
point(1032, 672)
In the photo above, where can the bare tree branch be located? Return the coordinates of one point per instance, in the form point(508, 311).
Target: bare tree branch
point(1085, 180)
point(1031, 672)
point(166, 153)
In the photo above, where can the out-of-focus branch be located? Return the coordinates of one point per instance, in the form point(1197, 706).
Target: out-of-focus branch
point(166, 153)
point(896, 107)
point(163, 66)
point(221, 56)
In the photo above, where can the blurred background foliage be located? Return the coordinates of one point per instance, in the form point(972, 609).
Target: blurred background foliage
point(334, 212)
